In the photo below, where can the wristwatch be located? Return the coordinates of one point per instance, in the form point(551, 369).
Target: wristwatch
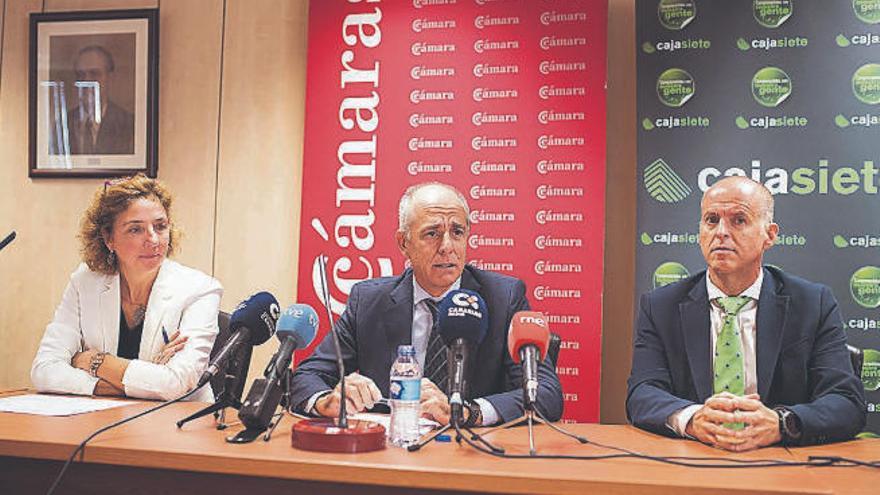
point(97, 361)
point(789, 426)
point(475, 413)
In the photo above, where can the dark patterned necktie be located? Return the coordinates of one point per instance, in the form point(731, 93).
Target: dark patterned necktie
point(436, 354)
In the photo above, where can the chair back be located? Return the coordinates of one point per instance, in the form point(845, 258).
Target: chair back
point(233, 374)
point(857, 359)
point(553, 350)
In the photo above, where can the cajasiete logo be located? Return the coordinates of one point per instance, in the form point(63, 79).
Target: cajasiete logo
point(867, 11)
point(871, 369)
point(676, 14)
point(669, 273)
point(669, 238)
point(663, 184)
point(866, 84)
point(768, 43)
point(857, 40)
point(675, 87)
point(859, 240)
point(771, 86)
point(771, 13)
point(864, 285)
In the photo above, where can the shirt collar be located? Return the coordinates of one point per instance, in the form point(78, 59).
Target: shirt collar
point(753, 291)
point(420, 294)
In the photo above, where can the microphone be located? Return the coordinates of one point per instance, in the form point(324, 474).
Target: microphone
point(463, 322)
point(6, 240)
point(335, 435)
point(252, 322)
point(296, 330)
point(527, 341)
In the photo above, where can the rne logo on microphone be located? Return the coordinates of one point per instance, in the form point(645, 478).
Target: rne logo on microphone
point(464, 300)
point(535, 320)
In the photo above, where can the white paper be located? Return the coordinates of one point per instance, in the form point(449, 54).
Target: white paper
point(53, 405)
point(425, 424)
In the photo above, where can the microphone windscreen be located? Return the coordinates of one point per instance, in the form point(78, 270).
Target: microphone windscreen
point(528, 328)
point(259, 314)
point(462, 314)
point(300, 322)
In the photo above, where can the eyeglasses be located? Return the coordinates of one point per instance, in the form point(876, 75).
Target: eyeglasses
point(113, 182)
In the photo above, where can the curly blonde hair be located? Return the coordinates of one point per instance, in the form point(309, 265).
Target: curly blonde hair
point(111, 199)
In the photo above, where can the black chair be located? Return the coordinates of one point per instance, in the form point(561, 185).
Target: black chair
point(553, 350)
point(857, 359)
point(228, 384)
point(232, 376)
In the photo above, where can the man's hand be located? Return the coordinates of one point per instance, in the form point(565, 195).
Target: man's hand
point(361, 394)
point(761, 423)
point(435, 404)
point(705, 425)
point(761, 426)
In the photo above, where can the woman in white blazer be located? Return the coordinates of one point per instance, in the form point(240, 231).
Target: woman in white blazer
point(131, 322)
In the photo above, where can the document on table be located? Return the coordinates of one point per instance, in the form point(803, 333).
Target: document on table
point(425, 424)
point(54, 405)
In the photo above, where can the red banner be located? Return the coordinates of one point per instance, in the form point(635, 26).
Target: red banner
point(504, 99)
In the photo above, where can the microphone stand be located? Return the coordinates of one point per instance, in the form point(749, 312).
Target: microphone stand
point(6, 240)
point(285, 400)
point(457, 422)
point(336, 435)
point(227, 397)
point(532, 415)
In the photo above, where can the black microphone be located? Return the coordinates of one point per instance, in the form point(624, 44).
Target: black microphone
point(296, 330)
point(463, 322)
point(252, 322)
point(6, 240)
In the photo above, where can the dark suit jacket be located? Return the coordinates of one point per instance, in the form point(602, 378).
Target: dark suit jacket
point(802, 361)
point(378, 318)
point(115, 135)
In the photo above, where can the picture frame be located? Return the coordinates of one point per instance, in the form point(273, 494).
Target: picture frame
point(93, 93)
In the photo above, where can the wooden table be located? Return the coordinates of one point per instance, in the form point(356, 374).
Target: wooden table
point(150, 455)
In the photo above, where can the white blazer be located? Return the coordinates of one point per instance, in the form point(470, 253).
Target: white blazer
point(88, 318)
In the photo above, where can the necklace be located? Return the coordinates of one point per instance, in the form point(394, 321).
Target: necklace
point(138, 316)
point(140, 311)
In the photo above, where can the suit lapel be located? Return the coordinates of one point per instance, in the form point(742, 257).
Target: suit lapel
point(771, 319)
point(109, 309)
point(695, 329)
point(468, 281)
point(160, 294)
point(397, 315)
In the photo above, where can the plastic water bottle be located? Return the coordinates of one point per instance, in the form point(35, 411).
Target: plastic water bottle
point(406, 392)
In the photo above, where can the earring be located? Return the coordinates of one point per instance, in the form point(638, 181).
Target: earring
point(111, 258)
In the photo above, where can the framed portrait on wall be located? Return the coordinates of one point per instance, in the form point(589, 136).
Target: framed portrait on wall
point(93, 93)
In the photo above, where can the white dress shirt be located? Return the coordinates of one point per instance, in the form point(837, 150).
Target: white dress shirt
point(421, 334)
point(746, 321)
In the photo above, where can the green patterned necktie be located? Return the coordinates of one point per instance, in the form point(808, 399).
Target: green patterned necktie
point(729, 367)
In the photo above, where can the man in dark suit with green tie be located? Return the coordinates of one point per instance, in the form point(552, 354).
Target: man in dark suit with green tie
point(742, 356)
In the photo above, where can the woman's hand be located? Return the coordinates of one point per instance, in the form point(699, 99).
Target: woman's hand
point(83, 359)
point(173, 346)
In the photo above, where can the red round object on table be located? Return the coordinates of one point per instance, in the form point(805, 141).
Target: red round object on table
point(323, 435)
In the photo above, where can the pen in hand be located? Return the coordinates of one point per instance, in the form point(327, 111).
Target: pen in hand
point(164, 335)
